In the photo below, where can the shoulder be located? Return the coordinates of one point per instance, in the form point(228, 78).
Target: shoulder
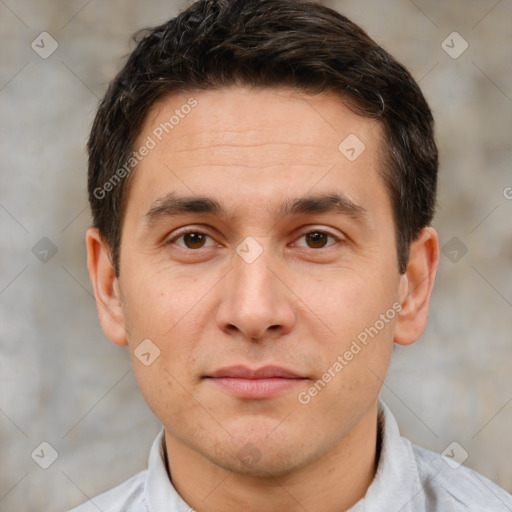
point(126, 497)
point(447, 484)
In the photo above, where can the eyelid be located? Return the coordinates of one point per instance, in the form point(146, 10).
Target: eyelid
point(205, 231)
point(320, 229)
point(337, 238)
point(184, 231)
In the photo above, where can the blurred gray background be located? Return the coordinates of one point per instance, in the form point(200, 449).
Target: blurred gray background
point(64, 383)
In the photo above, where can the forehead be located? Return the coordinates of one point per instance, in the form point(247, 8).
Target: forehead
point(244, 114)
point(268, 141)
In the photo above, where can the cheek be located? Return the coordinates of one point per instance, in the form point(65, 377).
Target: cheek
point(347, 302)
point(166, 309)
point(165, 390)
point(160, 303)
point(360, 318)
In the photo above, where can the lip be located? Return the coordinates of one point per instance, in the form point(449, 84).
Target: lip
point(265, 372)
point(260, 383)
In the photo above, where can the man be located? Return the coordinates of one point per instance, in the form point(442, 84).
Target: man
point(262, 179)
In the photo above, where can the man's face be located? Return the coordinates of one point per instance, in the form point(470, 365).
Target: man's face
point(268, 280)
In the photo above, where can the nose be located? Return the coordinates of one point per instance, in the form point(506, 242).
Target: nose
point(256, 302)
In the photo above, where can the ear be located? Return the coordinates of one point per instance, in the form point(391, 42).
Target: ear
point(106, 287)
point(416, 287)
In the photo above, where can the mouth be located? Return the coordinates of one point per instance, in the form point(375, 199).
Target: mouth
point(256, 384)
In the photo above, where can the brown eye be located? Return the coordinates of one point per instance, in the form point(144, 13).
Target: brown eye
point(194, 240)
point(316, 239)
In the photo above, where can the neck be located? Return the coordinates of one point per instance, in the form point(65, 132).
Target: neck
point(332, 483)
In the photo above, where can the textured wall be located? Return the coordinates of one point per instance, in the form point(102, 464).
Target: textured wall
point(63, 382)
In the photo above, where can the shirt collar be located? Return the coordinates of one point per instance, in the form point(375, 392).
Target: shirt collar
point(397, 473)
point(395, 479)
point(158, 489)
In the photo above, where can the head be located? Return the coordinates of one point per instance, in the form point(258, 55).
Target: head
point(262, 178)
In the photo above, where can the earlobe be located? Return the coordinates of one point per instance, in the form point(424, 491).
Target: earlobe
point(106, 287)
point(416, 287)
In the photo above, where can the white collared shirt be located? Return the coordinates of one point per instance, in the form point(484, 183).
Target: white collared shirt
point(408, 479)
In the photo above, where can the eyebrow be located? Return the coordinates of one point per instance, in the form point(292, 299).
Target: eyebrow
point(172, 205)
point(322, 203)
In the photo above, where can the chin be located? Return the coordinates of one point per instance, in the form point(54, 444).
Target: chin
point(264, 458)
point(270, 466)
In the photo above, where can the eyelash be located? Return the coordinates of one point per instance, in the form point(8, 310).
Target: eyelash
point(195, 231)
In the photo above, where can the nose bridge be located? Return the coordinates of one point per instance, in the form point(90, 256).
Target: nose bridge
point(252, 277)
point(255, 300)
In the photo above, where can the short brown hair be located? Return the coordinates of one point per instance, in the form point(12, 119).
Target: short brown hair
point(267, 43)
